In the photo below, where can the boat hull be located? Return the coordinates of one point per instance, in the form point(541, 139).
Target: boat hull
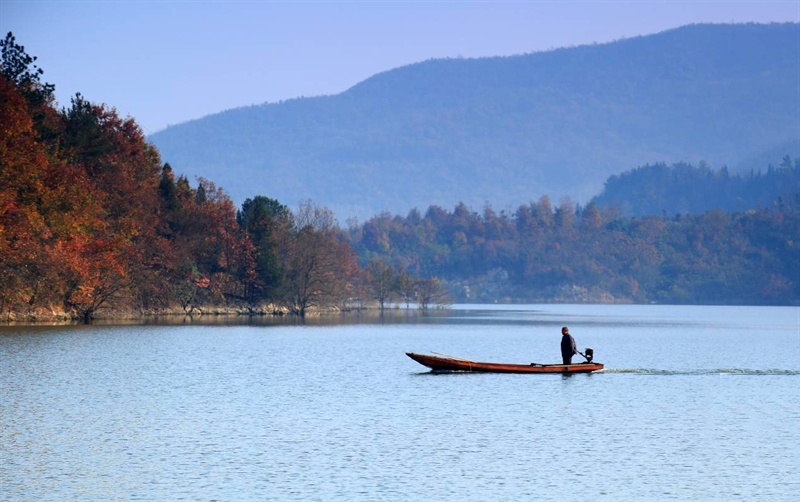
point(447, 364)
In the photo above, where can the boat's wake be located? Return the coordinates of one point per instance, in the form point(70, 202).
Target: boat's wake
point(722, 371)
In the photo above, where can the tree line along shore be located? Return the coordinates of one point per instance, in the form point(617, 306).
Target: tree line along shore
point(94, 225)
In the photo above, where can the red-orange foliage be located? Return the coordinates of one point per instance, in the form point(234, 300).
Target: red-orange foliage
point(83, 225)
point(23, 165)
point(89, 218)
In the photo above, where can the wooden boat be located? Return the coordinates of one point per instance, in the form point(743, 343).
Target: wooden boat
point(450, 363)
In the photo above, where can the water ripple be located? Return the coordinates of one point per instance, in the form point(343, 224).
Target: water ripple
point(722, 371)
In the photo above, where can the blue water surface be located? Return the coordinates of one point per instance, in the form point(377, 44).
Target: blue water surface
point(695, 403)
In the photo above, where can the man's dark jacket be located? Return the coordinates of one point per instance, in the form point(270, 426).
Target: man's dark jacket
point(568, 347)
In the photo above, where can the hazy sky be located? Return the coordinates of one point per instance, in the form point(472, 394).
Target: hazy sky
point(166, 62)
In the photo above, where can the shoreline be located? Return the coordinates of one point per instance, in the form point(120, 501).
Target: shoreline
point(239, 314)
point(45, 317)
point(56, 317)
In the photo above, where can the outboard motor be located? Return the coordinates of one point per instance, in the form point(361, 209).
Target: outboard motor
point(589, 354)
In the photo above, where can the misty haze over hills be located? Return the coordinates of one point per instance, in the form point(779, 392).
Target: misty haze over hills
point(507, 130)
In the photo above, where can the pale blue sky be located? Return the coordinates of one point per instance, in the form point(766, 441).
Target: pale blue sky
point(166, 62)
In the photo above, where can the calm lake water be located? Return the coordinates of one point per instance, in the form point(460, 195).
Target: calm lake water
point(696, 403)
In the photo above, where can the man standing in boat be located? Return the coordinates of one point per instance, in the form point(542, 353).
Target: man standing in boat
point(568, 348)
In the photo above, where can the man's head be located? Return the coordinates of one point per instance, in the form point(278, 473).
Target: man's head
point(565, 330)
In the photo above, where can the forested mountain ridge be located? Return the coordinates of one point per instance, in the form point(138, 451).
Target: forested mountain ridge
point(545, 253)
point(658, 189)
point(510, 129)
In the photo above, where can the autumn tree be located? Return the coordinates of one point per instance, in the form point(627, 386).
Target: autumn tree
point(432, 293)
point(381, 282)
point(47, 204)
point(23, 228)
point(406, 285)
point(320, 267)
point(124, 168)
point(205, 257)
point(221, 253)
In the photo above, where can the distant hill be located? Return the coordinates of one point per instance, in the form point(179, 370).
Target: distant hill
point(506, 130)
point(656, 190)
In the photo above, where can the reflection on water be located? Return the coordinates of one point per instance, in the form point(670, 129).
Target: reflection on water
point(341, 318)
point(330, 408)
